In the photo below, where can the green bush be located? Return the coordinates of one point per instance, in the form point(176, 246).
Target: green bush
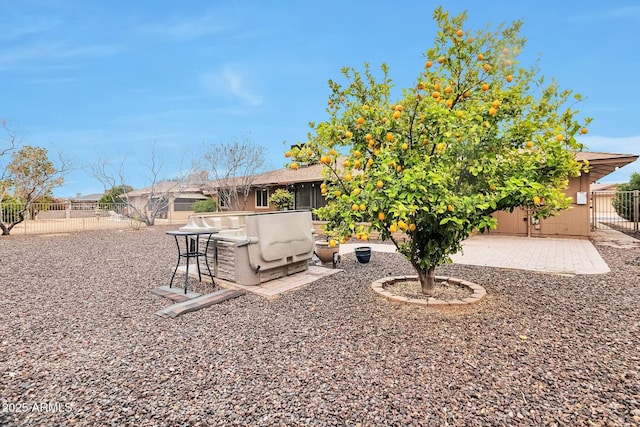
point(282, 198)
point(209, 205)
point(623, 202)
point(10, 209)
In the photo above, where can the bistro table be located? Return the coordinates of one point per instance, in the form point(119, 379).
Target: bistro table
point(191, 250)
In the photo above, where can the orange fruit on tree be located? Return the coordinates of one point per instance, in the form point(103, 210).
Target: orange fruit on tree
point(480, 57)
point(348, 134)
point(323, 190)
point(287, 154)
point(529, 144)
point(509, 78)
point(559, 137)
point(399, 107)
point(420, 86)
point(348, 177)
point(436, 86)
point(486, 67)
point(369, 162)
point(355, 207)
point(404, 146)
point(428, 64)
point(309, 153)
point(333, 152)
point(449, 103)
point(399, 168)
point(496, 103)
point(435, 95)
point(584, 131)
point(332, 243)
point(356, 191)
point(294, 166)
point(448, 89)
point(470, 40)
point(379, 184)
point(360, 120)
point(450, 208)
point(439, 146)
point(376, 152)
point(393, 228)
point(492, 111)
point(356, 153)
point(485, 87)
point(381, 216)
point(412, 227)
point(368, 137)
point(397, 115)
point(459, 33)
point(536, 200)
point(357, 164)
point(441, 59)
point(389, 136)
point(363, 207)
point(459, 113)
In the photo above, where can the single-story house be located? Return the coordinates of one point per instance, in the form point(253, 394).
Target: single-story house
point(180, 197)
point(305, 182)
point(88, 202)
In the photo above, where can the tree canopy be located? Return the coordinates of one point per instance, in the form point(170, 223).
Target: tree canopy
point(475, 133)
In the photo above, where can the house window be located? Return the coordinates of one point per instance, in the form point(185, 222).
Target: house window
point(262, 198)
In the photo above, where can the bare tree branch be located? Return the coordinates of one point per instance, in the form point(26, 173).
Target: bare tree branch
point(234, 166)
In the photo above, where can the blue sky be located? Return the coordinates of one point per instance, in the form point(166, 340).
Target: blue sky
point(109, 79)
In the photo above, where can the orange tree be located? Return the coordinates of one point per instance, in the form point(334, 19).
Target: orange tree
point(476, 133)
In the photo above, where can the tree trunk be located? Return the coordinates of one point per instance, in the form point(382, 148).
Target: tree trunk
point(428, 281)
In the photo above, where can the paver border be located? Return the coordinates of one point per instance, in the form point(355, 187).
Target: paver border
point(478, 292)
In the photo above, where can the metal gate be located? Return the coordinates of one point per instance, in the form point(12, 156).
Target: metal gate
point(619, 210)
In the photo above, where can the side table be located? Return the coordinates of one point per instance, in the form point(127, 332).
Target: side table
point(191, 250)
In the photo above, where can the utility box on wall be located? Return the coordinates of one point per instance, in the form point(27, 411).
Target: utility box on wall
point(581, 198)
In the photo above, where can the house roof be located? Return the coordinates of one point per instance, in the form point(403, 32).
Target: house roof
point(170, 187)
point(602, 164)
point(605, 186)
point(86, 198)
point(305, 173)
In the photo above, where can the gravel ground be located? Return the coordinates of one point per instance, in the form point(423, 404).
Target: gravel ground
point(80, 345)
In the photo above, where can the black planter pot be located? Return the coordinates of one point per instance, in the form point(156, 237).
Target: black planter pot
point(363, 254)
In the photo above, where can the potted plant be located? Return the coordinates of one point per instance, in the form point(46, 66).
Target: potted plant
point(283, 199)
point(326, 250)
point(363, 254)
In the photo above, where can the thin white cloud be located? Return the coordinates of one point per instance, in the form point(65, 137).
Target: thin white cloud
point(609, 144)
point(52, 51)
point(233, 81)
point(34, 28)
point(189, 29)
point(618, 145)
point(50, 81)
point(631, 12)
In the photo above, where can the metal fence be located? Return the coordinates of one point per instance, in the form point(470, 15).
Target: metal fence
point(66, 217)
point(619, 210)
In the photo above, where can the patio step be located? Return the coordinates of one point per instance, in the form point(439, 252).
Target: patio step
point(175, 294)
point(197, 303)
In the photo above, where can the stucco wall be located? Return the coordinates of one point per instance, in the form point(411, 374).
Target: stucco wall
point(573, 222)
